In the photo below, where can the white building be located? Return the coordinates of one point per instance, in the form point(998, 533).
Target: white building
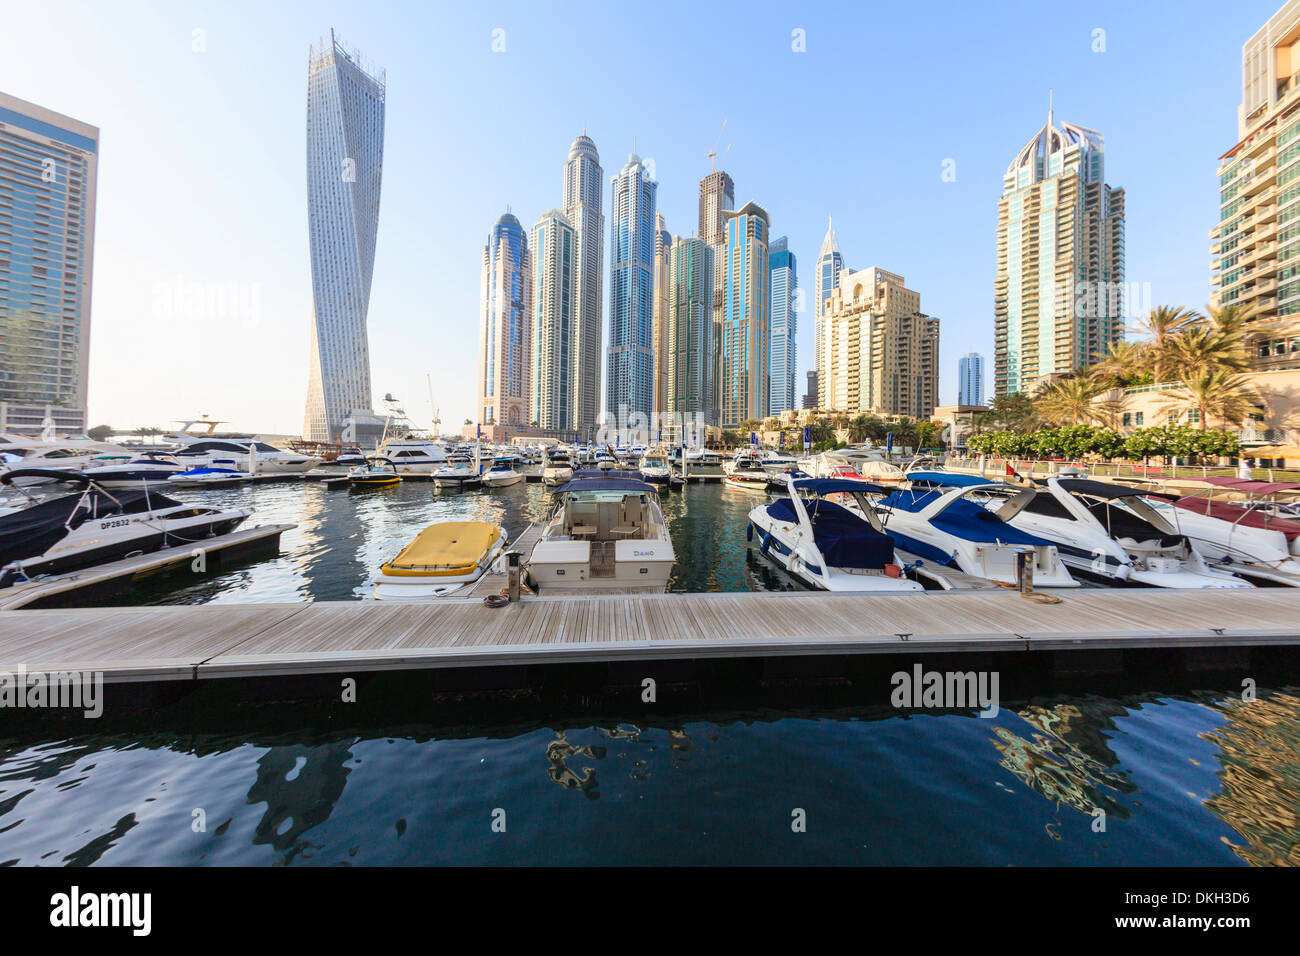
point(345, 162)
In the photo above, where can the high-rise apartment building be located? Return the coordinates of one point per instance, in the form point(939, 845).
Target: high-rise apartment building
point(1059, 288)
point(505, 326)
point(1255, 248)
point(970, 379)
point(810, 396)
point(584, 185)
point(827, 279)
point(345, 165)
point(785, 291)
point(689, 358)
point(48, 171)
point(717, 196)
point(880, 352)
point(663, 281)
point(630, 374)
point(746, 321)
point(553, 249)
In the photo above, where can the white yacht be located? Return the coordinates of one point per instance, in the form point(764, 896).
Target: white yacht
point(558, 468)
point(604, 532)
point(747, 474)
point(655, 468)
point(72, 454)
point(1101, 529)
point(776, 462)
point(502, 473)
point(458, 471)
point(949, 528)
point(124, 471)
point(94, 526)
point(248, 455)
point(221, 473)
point(824, 544)
point(414, 457)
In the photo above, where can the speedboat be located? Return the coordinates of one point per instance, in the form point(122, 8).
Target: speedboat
point(222, 473)
point(747, 474)
point(377, 472)
point(776, 462)
point(352, 458)
point(558, 468)
point(247, 455)
point(606, 531)
point(502, 473)
point(93, 526)
point(605, 461)
point(445, 558)
point(949, 528)
point(1101, 529)
point(826, 545)
point(458, 471)
point(127, 472)
point(1245, 536)
point(655, 469)
point(781, 480)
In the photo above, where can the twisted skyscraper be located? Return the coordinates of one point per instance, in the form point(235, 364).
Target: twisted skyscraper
point(345, 164)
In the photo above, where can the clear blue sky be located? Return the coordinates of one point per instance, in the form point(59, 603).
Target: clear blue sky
point(202, 176)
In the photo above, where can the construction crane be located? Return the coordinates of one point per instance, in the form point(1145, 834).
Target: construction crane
point(714, 152)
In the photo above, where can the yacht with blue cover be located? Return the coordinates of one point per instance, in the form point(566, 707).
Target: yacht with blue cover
point(937, 519)
point(826, 544)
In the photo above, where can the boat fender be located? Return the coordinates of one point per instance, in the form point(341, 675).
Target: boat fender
point(749, 532)
point(767, 543)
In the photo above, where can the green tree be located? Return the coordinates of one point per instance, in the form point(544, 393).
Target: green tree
point(100, 433)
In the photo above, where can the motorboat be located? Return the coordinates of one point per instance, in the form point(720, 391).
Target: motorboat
point(502, 473)
point(1251, 536)
point(93, 526)
point(558, 468)
point(222, 473)
point(826, 545)
point(746, 474)
point(458, 471)
point(781, 480)
point(605, 461)
point(414, 457)
point(776, 462)
point(655, 468)
point(249, 455)
point(1101, 530)
point(947, 526)
point(377, 472)
point(444, 559)
point(350, 458)
point(605, 531)
point(124, 471)
point(881, 472)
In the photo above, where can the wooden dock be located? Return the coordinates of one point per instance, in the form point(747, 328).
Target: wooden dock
point(145, 644)
point(119, 575)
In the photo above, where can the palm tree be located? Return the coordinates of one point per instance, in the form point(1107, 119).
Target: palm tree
point(1215, 393)
point(1124, 360)
point(1073, 401)
point(1206, 348)
point(1230, 318)
point(1161, 326)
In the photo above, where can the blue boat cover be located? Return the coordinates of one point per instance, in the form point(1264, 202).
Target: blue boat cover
point(950, 478)
point(963, 519)
point(830, 486)
point(603, 483)
point(844, 539)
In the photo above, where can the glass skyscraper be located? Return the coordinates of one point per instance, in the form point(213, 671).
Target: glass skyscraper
point(630, 373)
point(690, 330)
point(970, 379)
point(829, 266)
point(1059, 287)
point(554, 248)
point(785, 289)
point(584, 184)
point(345, 166)
point(746, 323)
point(48, 167)
point(505, 326)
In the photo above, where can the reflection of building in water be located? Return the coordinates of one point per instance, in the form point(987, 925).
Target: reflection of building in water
point(1260, 757)
point(558, 752)
point(298, 795)
point(1071, 771)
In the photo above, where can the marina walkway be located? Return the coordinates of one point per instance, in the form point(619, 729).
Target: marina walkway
point(226, 640)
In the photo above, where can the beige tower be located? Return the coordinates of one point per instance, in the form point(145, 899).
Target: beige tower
point(662, 277)
point(879, 351)
point(717, 196)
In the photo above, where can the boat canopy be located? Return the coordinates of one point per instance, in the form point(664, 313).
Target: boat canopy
point(71, 477)
point(844, 539)
point(830, 486)
point(605, 483)
point(951, 478)
point(447, 548)
point(583, 474)
point(34, 530)
point(1098, 489)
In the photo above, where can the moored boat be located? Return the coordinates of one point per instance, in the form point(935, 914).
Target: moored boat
point(443, 559)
